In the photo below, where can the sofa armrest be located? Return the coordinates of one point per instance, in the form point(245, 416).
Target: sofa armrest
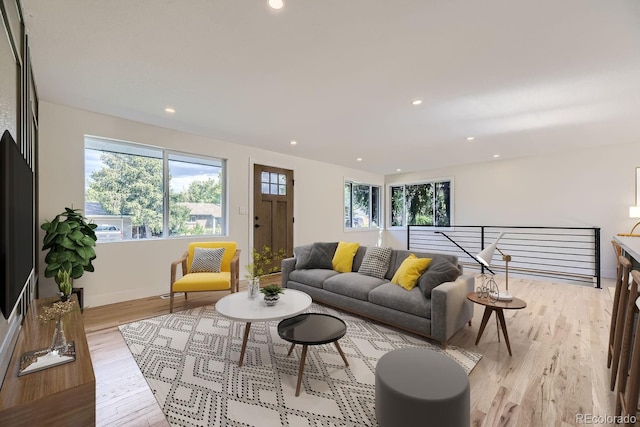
point(450, 308)
point(288, 265)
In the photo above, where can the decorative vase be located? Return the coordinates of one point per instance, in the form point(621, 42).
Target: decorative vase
point(253, 288)
point(59, 341)
point(271, 299)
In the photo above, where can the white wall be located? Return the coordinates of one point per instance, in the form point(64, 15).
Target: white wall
point(591, 187)
point(136, 269)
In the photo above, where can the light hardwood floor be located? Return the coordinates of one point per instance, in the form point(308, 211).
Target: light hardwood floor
point(558, 369)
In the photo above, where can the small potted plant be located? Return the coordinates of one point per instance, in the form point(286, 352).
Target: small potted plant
point(70, 240)
point(261, 265)
point(63, 279)
point(271, 294)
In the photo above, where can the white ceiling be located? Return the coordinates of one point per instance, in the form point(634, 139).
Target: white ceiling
point(523, 77)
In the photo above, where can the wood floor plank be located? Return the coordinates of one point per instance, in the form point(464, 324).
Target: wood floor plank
point(558, 368)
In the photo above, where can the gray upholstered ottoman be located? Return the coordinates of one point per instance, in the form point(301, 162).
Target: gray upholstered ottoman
point(420, 387)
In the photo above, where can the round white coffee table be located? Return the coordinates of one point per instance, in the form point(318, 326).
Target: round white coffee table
point(237, 306)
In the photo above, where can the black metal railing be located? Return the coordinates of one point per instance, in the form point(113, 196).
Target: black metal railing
point(565, 253)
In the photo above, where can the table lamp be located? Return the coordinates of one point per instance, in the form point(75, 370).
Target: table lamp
point(485, 257)
point(634, 212)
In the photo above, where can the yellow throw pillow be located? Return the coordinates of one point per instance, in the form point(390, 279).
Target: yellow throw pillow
point(410, 271)
point(343, 257)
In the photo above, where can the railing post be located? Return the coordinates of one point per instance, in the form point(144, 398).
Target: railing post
point(481, 245)
point(596, 231)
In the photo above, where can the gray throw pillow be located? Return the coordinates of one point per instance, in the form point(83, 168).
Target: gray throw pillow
point(440, 270)
point(206, 260)
point(302, 255)
point(376, 262)
point(320, 256)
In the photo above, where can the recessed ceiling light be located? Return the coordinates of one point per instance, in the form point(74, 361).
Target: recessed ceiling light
point(495, 156)
point(276, 4)
point(359, 159)
point(170, 110)
point(416, 102)
point(398, 170)
point(471, 138)
point(293, 142)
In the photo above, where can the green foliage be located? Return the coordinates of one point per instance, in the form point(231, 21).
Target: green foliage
point(208, 191)
point(263, 262)
point(63, 279)
point(133, 185)
point(421, 204)
point(130, 185)
point(70, 242)
point(178, 215)
point(272, 290)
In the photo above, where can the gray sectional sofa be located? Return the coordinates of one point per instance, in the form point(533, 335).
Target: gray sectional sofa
point(434, 309)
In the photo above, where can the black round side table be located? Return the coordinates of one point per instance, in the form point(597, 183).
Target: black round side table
point(311, 329)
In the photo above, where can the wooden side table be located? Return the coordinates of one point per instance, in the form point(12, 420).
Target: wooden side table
point(63, 395)
point(499, 307)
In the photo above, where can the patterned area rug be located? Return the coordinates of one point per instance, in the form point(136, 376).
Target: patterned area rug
point(190, 360)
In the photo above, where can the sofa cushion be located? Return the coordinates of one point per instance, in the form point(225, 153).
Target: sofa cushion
point(313, 277)
point(353, 285)
point(393, 296)
point(410, 270)
point(440, 270)
point(376, 262)
point(343, 258)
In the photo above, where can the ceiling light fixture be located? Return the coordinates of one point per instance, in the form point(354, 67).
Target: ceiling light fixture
point(170, 110)
point(416, 102)
point(293, 142)
point(495, 156)
point(471, 138)
point(276, 4)
point(359, 159)
point(398, 170)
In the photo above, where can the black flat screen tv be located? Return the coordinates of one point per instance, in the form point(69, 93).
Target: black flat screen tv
point(16, 223)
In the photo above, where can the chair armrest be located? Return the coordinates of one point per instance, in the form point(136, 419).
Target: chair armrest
point(235, 271)
point(174, 266)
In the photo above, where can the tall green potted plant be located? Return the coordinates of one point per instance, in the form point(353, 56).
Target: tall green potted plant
point(70, 240)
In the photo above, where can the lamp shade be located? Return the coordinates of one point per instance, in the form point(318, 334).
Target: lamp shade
point(486, 255)
point(634, 211)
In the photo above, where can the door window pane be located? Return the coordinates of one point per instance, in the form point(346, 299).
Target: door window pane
point(273, 183)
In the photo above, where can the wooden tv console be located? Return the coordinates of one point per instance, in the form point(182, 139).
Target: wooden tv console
point(62, 395)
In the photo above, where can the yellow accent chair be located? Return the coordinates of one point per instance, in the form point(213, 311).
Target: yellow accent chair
point(226, 279)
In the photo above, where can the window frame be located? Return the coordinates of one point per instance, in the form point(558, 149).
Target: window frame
point(433, 181)
point(380, 221)
point(165, 155)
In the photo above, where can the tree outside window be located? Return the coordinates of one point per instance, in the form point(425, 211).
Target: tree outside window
point(421, 204)
point(361, 205)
